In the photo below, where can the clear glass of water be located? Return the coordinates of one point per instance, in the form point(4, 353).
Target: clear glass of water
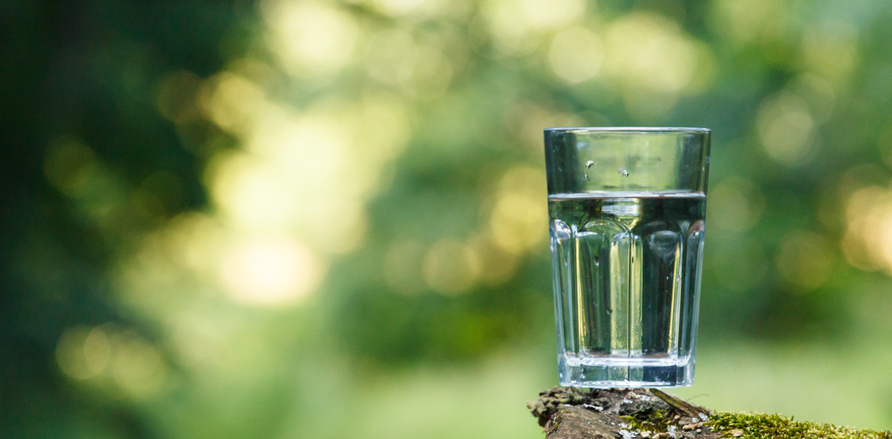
point(627, 216)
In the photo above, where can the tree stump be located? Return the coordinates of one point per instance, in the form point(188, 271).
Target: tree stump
point(571, 413)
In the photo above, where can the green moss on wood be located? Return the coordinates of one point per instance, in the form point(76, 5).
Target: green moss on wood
point(658, 420)
point(759, 426)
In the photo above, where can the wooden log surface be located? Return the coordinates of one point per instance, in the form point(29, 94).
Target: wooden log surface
point(572, 413)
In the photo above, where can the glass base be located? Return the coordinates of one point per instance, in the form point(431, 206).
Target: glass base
point(609, 372)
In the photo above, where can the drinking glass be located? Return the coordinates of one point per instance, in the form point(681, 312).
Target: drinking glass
point(627, 218)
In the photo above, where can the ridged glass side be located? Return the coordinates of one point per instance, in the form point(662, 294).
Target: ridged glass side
point(626, 277)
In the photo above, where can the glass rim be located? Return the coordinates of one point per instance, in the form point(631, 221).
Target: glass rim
point(627, 130)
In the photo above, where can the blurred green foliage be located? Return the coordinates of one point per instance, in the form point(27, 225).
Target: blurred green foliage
point(324, 219)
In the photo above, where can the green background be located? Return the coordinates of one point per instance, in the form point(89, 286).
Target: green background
point(328, 219)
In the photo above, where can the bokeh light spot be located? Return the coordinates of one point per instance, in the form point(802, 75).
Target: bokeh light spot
point(746, 22)
point(70, 354)
point(518, 211)
point(246, 190)
point(654, 63)
point(527, 120)
point(517, 222)
point(517, 27)
point(339, 227)
point(391, 56)
point(433, 73)
point(817, 92)
point(648, 50)
point(735, 204)
point(382, 129)
point(138, 367)
point(231, 101)
point(68, 164)
point(270, 272)
point(740, 267)
point(884, 144)
point(867, 244)
point(309, 38)
point(551, 14)
point(805, 259)
point(107, 351)
point(785, 128)
point(308, 151)
point(175, 96)
point(97, 350)
point(451, 267)
point(402, 267)
point(576, 54)
point(498, 265)
point(411, 8)
point(831, 50)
